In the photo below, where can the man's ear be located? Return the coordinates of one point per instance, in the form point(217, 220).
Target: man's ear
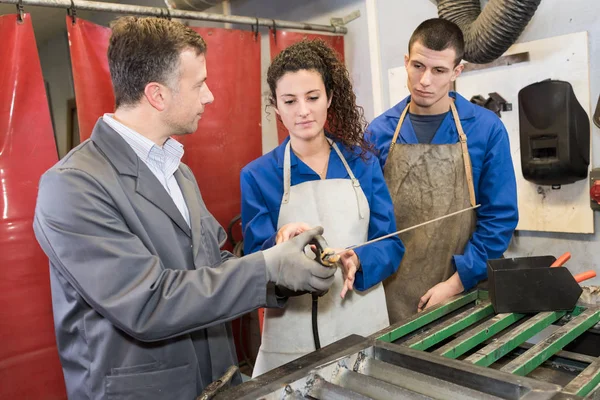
point(156, 94)
point(406, 58)
point(457, 71)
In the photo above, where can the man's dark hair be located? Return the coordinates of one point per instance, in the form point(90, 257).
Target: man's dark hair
point(144, 50)
point(439, 34)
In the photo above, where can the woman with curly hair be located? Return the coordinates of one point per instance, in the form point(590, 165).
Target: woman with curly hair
point(322, 174)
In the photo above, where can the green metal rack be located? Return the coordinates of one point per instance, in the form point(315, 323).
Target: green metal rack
point(466, 328)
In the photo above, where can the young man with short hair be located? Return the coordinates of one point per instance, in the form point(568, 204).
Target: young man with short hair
point(440, 153)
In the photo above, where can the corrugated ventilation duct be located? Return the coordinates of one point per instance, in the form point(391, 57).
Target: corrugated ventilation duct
point(491, 31)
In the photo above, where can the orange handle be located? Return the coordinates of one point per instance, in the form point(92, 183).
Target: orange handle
point(261, 319)
point(561, 260)
point(584, 276)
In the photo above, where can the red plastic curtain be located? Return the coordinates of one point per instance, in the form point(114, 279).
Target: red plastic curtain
point(88, 43)
point(29, 365)
point(280, 40)
point(229, 135)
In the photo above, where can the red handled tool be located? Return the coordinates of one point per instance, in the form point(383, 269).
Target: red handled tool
point(584, 276)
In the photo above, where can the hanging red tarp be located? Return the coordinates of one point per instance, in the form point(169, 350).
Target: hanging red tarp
point(88, 43)
point(280, 40)
point(29, 365)
point(229, 135)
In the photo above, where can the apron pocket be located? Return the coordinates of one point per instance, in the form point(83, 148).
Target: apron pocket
point(172, 383)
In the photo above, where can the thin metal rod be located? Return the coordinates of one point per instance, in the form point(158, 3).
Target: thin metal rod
point(174, 13)
point(407, 229)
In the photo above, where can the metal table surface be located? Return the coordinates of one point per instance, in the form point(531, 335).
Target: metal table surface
point(457, 350)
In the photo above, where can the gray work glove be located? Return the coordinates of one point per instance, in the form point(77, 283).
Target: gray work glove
point(289, 267)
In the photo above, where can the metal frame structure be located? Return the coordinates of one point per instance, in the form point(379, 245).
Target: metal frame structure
point(174, 13)
point(500, 335)
point(356, 368)
point(457, 350)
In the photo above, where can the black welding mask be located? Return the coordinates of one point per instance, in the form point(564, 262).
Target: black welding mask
point(555, 134)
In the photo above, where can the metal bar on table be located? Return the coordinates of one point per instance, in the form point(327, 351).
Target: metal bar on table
point(586, 381)
point(319, 388)
point(424, 318)
point(545, 349)
point(373, 387)
point(429, 386)
point(567, 355)
point(448, 328)
point(477, 335)
point(219, 385)
point(175, 13)
point(291, 394)
point(509, 341)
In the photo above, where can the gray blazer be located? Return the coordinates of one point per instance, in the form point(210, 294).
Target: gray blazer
point(140, 301)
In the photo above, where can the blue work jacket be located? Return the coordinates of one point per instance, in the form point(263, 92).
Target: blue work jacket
point(262, 191)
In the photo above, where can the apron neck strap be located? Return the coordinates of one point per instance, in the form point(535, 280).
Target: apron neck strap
point(287, 174)
point(397, 131)
point(339, 153)
point(461, 133)
point(466, 157)
point(287, 178)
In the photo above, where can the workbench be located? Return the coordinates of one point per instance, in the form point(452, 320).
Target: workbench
point(459, 349)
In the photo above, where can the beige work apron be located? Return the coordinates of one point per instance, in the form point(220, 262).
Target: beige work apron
point(427, 181)
point(341, 208)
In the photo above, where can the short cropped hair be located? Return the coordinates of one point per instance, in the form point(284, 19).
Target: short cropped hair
point(144, 50)
point(439, 34)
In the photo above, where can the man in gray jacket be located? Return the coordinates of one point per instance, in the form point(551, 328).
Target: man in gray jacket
point(141, 292)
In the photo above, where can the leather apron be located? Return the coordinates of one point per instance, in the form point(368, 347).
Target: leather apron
point(341, 208)
point(427, 181)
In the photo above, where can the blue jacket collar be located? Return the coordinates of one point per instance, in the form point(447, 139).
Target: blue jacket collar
point(465, 108)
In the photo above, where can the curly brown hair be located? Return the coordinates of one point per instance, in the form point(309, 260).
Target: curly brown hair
point(345, 119)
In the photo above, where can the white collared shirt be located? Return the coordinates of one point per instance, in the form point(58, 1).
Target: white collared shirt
point(162, 161)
